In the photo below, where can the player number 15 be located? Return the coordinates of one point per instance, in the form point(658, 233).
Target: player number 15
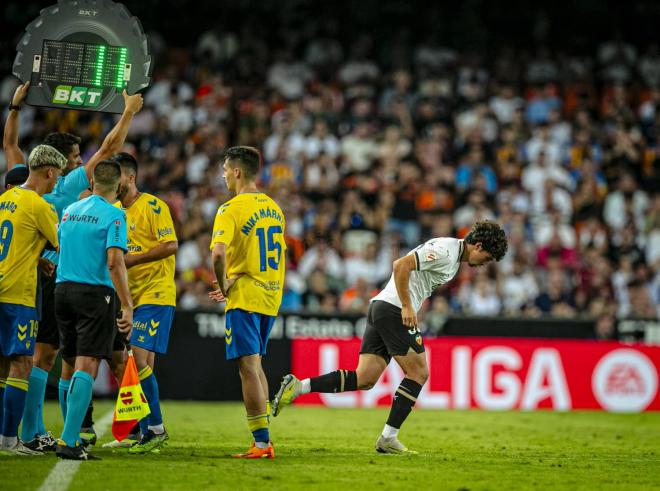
point(265, 249)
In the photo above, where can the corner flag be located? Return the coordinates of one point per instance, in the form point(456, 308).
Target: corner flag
point(131, 405)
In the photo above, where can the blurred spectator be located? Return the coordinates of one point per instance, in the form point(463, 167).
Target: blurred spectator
point(561, 148)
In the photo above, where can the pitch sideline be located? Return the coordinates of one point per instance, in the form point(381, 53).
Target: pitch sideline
point(62, 474)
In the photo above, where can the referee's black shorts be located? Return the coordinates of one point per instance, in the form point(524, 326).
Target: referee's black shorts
point(386, 335)
point(48, 332)
point(87, 319)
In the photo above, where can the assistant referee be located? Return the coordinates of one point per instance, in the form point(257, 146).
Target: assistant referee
point(93, 241)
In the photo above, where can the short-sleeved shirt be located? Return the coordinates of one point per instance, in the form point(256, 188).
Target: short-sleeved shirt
point(437, 260)
point(27, 222)
point(88, 229)
point(251, 225)
point(150, 224)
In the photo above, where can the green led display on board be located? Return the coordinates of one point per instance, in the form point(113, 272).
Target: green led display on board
point(82, 55)
point(95, 65)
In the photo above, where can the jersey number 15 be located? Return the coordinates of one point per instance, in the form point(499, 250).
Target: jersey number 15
point(269, 246)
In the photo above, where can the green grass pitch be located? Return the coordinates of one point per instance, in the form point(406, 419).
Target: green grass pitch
point(332, 449)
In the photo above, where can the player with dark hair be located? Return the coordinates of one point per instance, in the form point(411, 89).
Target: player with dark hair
point(152, 244)
point(91, 269)
point(75, 180)
point(392, 326)
point(16, 177)
point(27, 223)
point(248, 252)
point(68, 145)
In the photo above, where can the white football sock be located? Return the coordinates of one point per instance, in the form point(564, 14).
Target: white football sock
point(158, 429)
point(9, 441)
point(306, 387)
point(390, 431)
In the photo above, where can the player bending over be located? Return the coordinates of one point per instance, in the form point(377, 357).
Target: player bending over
point(248, 257)
point(392, 326)
point(152, 244)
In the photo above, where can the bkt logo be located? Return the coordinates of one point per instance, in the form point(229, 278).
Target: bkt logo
point(77, 96)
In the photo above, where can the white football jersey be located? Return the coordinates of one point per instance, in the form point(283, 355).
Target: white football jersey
point(437, 262)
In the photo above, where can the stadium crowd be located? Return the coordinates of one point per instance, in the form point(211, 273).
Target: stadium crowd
point(370, 154)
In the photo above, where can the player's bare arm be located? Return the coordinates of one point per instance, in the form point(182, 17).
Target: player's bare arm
point(13, 153)
point(159, 252)
point(402, 268)
point(119, 276)
point(220, 268)
point(114, 140)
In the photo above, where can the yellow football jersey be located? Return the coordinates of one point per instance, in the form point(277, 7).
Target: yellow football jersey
point(27, 221)
point(149, 224)
point(251, 225)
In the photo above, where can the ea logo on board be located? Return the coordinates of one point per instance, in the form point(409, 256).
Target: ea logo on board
point(625, 380)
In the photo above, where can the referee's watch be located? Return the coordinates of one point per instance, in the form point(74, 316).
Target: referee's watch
point(13, 107)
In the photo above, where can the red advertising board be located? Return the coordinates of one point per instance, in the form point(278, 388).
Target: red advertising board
point(500, 374)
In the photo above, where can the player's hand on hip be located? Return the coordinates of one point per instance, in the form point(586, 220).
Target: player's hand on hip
point(217, 296)
point(125, 323)
point(46, 267)
point(133, 103)
point(20, 94)
point(409, 316)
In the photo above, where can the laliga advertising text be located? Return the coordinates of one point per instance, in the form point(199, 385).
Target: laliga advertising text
point(488, 377)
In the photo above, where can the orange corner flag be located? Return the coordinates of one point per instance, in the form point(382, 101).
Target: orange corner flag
point(131, 405)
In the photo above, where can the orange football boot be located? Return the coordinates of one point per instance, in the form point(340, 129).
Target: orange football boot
point(257, 453)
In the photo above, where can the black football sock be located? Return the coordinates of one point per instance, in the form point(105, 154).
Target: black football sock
point(337, 381)
point(404, 400)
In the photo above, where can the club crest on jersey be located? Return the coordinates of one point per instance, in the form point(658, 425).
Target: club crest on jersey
point(132, 227)
point(418, 339)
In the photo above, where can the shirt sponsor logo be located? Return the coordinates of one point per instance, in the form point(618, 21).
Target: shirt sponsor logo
point(81, 218)
point(162, 232)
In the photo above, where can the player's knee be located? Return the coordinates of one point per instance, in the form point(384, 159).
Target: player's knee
point(366, 380)
point(249, 371)
point(45, 359)
point(20, 367)
point(419, 374)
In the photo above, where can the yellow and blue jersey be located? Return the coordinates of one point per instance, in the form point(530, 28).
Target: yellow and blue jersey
point(149, 224)
point(251, 225)
point(27, 222)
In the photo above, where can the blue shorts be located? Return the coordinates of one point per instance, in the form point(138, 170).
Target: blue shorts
point(151, 327)
point(18, 329)
point(246, 333)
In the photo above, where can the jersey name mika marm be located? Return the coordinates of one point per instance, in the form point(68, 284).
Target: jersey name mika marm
point(437, 260)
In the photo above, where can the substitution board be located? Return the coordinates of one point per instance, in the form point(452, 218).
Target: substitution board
point(82, 54)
